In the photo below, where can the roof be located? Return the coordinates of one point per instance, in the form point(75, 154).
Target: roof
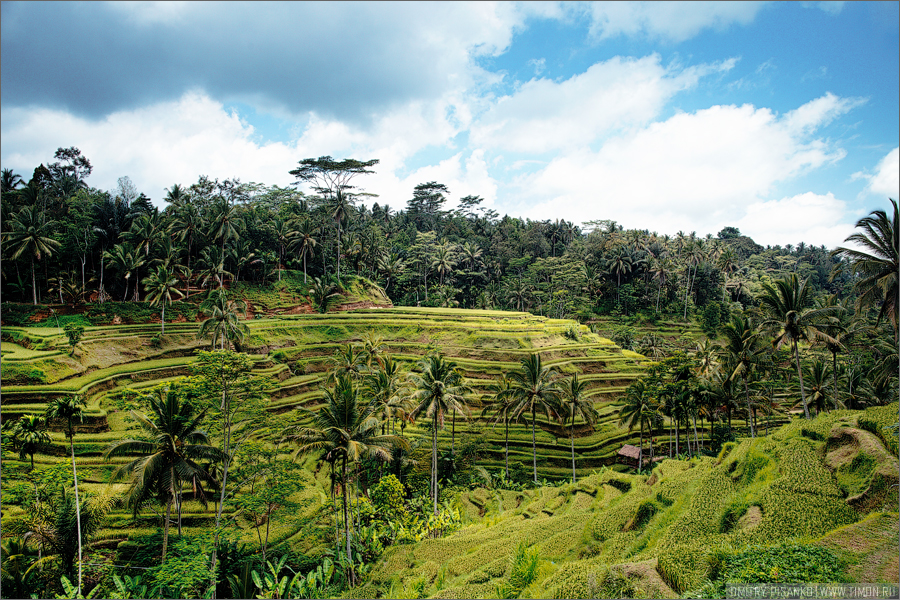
point(630, 451)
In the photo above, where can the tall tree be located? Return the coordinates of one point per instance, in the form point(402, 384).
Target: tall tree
point(30, 235)
point(68, 409)
point(579, 406)
point(174, 443)
point(877, 263)
point(29, 434)
point(223, 324)
point(535, 390)
point(160, 286)
point(789, 313)
point(502, 407)
point(639, 410)
point(741, 352)
point(437, 390)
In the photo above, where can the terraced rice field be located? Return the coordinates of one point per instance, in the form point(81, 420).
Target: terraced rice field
point(294, 351)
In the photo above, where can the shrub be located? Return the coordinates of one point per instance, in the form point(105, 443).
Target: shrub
point(388, 496)
point(784, 563)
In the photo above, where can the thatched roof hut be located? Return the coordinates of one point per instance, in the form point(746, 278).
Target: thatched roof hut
point(630, 455)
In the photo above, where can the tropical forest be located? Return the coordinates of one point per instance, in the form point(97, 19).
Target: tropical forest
point(244, 390)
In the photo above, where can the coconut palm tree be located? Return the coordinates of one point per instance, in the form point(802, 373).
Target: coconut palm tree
point(225, 225)
point(126, 260)
point(437, 390)
point(29, 433)
point(579, 406)
point(321, 294)
point(878, 263)
point(68, 409)
point(535, 390)
point(160, 287)
point(443, 261)
point(188, 225)
point(843, 330)
point(740, 354)
point(787, 305)
point(347, 361)
point(640, 409)
point(304, 242)
point(383, 385)
point(502, 407)
point(817, 375)
point(223, 323)
point(30, 235)
point(347, 430)
point(168, 456)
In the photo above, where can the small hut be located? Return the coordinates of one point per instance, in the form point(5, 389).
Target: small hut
point(631, 455)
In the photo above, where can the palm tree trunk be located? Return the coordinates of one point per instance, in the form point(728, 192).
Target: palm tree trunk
point(800, 375)
point(696, 437)
point(453, 435)
point(164, 322)
point(33, 284)
point(77, 503)
point(506, 454)
point(534, 444)
point(166, 529)
point(572, 440)
point(346, 516)
point(434, 473)
point(834, 373)
point(641, 447)
point(749, 410)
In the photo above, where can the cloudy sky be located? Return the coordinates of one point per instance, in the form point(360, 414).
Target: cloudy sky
point(778, 118)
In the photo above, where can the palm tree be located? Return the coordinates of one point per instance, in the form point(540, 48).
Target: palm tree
point(639, 410)
point(788, 306)
point(383, 386)
point(68, 409)
point(728, 263)
point(160, 286)
point(321, 294)
point(340, 204)
point(29, 433)
point(168, 458)
point(347, 361)
point(223, 322)
point(304, 241)
point(579, 406)
point(30, 235)
point(391, 265)
point(817, 375)
point(347, 430)
point(502, 407)
point(225, 225)
point(741, 352)
point(188, 224)
point(437, 390)
point(534, 389)
point(878, 264)
point(125, 259)
point(443, 261)
point(842, 331)
point(9, 181)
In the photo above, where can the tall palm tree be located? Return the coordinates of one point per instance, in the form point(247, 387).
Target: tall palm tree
point(169, 454)
point(639, 410)
point(842, 328)
point(383, 385)
point(188, 225)
point(787, 305)
point(817, 376)
point(741, 352)
point(225, 225)
point(502, 406)
point(349, 360)
point(535, 390)
point(29, 433)
point(304, 242)
point(340, 203)
point(729, 264)
point(878, 263)
point(160, 286)
point(443, 261)
point(437, 390)
point(579, 406)
point(223, 323)
point(126, 260)
point(68, 409)
point(346, 429)
point(30, 235)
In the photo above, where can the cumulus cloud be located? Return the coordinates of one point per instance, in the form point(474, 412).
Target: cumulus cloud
point(693, 171)
point(885, 182)
point(613, 95)
point(671, 21)
point(811, 218)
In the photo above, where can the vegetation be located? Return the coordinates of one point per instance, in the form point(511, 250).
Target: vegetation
point(759, 385)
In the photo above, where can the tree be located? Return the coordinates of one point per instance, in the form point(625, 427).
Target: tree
point(741, 353)
point(579, 406)
point(169, 456)
point(534, 390)
point(817, 376)
point(502, 406)
point(226, 221)
point(304, 242)
point(30, 235)
point(437, 390)
point(29, 433)
point(127, 260)
point(223, 323)
point(321, 294)
point(160, 287)
point(384, 387)
point(787, 305)
point(639, 410)
point(332, 179)
point(68, 409)
point(877, 263)
point(73, 333)
point(347, 430)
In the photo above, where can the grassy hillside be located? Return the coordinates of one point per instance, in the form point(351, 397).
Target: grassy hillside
point(688, 526)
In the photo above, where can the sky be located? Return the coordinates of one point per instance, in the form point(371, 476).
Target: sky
point(780, 119)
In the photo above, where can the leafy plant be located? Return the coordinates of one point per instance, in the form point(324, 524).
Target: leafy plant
point(523, 570)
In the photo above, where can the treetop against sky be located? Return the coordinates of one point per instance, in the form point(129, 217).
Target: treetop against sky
point(778, 118)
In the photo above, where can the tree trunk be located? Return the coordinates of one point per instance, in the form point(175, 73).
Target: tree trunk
point(834, 373)
point(506, 453)
point(534, 444)
point(77, 503)
point(434, 464)
point(346, 516)
point(800, 375)
point(166, 529)
point(453, 435)
point(641, 447)
point(33, 284)
point(164, 322)
point(572, 440)
point(749, 410)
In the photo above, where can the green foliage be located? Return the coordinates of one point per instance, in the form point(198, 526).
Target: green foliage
point(882, 421)
point(185, 572)
point(388, 497)
point(784, 563)
point(74, 333)
point(523, 570)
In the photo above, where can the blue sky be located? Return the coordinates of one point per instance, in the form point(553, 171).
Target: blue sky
point(778, 118)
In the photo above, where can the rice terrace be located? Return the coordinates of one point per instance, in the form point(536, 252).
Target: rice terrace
point(530, 378)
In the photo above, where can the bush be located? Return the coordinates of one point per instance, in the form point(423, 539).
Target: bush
point(388, 496)
point(784, 563)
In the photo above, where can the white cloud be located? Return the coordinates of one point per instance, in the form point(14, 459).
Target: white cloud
point(811, 218)
point(694, 171)
point(885, 183)
point(613, 95)
point(820, 111)
point(672, 21)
